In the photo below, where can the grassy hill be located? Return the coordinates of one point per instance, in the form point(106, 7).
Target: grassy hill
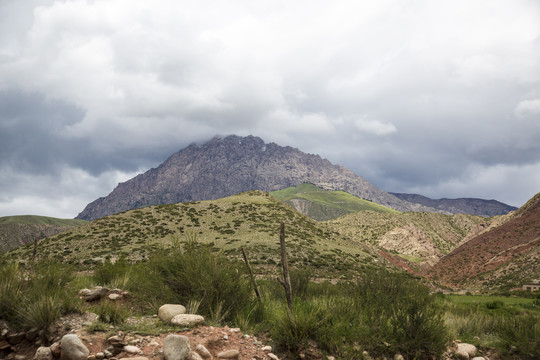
point(323, 205)
point(19, 230)
point(40, 220)
point(250, 219)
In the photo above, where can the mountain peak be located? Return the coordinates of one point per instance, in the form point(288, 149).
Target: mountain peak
point(228, 165)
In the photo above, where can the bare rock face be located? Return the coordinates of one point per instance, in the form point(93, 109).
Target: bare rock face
point(231, 165)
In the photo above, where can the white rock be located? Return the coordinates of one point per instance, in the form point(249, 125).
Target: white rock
point(272, 356)
point(195, 356)
point(43, 353)
point(203, 351)
point(267, 348)
point(130, 349)
point(73, 348)
point(176, 347)
point(168, 311)
point(187, 320)
point(465, 351)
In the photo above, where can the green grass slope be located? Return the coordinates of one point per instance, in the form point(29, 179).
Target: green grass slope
point(250, 220)
point(323, 205)
point(19, 230)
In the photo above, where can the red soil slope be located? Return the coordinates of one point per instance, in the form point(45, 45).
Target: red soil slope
point(492, 249)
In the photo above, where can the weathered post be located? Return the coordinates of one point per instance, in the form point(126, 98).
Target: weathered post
point(251, 276)
point(286, 282)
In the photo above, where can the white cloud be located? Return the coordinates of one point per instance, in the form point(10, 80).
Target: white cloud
point(528, 108)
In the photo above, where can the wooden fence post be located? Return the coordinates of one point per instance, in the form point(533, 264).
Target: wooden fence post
point(286, 282)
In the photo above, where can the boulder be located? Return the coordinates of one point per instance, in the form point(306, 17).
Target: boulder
point(176, 347)
point(43, 353)
point(168, 311)
point(73, 348)
point(187, 320)
point(465, 351)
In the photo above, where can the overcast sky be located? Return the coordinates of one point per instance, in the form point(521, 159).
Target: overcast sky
point(440, 98)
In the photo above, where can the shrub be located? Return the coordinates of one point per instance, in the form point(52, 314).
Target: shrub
point(111, 312)
point(520, 337)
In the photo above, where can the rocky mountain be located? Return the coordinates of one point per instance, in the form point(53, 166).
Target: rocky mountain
point(230, 165)
point(509, 251)
point(470, 206)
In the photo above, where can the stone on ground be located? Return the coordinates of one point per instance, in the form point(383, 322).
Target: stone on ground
point(229, 354)
point(43, 353)
point(73, 348)
point(187, 320)
point(465, 351)
point(168, 311)
point(176, 347)
point(203, 351)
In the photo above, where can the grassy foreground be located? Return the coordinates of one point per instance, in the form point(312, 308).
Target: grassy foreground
point(383, 313)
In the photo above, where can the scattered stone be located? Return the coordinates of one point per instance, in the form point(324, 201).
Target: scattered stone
point(168, 311)
point(272, 356)
point(114, 296)
point(130, 349)
point(234, 330)
point(100, 355)
point(330, 358)
point(73, 348)
point(229, 354)
point(478, 358)
point(187, 320)
point(195, 356)
point(465, 351)
point(366, 356)
point(43, 353)
point(398, 357)
point(4, 345)
point(16, 338)
point(267, 348)
point(91, 357)
point(225, 337)
point(94, 294)
point(176, 347)
point(203, 351)
point(56, 349)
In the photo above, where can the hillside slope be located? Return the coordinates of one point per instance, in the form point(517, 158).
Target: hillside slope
point(226, 166)
point(20, 230)
point(420, 238)
point(320, 204)
point(470, 206)
point(250, 220)
point(511, 246)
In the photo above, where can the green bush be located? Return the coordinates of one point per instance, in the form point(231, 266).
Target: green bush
point(397, 310)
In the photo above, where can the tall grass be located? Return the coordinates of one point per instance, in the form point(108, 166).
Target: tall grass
point(36, 297)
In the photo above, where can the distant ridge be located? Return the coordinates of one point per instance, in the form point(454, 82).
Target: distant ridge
point(23, 229)
point(471, 206)
point(225, 166)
